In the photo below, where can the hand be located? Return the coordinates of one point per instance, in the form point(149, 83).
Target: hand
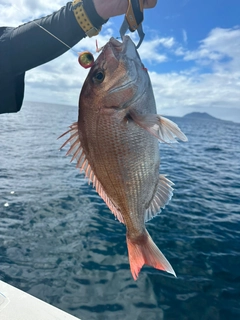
point(110, 8)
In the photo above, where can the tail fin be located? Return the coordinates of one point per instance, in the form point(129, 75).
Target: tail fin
point(143, 252)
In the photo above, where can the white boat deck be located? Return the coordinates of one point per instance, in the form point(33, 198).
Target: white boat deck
point(18, 305)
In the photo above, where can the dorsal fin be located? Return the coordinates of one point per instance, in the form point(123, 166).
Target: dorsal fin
point(78, 154)
point(161, 198)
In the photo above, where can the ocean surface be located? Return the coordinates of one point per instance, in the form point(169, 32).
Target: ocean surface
point(60, 243)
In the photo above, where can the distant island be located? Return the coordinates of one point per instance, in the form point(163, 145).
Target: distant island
point(200, 115)
point(197, 116)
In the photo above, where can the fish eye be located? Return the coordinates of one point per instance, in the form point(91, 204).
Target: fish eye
point(86, 59)
point(98, 77)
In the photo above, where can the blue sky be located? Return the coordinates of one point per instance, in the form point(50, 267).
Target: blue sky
point(195, 16)
point(191, 49)
point(189, 22)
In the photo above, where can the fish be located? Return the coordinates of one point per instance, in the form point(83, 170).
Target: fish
point(116, 143)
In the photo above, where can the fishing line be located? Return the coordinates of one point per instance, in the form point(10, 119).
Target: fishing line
point(76, 52)
point(85, 58)
point(55, 37)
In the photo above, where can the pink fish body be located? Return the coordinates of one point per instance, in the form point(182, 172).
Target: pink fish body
point(115, 142)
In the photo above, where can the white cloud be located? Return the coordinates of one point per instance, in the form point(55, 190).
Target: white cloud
point(217, 89)
point(154, 51)
point(149, 51)
point(207, 78)
point(16, 12)
point(219, 45)
point(60, 80)
point(176, 93)
point(184, 33)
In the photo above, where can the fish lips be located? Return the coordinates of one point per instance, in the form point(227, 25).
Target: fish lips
point(120, 49)
point(115, 53)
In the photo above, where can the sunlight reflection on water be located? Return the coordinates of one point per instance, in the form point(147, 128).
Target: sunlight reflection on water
point(59, 242)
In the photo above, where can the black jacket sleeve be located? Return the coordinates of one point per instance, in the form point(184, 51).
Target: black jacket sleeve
point(28, 46)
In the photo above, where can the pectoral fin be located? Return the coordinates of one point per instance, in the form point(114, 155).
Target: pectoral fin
point(160, 127)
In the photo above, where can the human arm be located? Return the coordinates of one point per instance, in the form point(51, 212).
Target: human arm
point(108, 9)
point(29, 46)
point(32, 46)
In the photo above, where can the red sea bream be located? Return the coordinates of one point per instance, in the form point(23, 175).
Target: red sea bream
point(115, 141)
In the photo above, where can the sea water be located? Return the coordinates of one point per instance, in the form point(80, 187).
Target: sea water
point(60, 243)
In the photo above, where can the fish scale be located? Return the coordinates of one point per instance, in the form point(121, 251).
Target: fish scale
point(115, 142)
point(128, 165)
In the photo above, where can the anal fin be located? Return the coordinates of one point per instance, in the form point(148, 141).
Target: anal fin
point(161, 198)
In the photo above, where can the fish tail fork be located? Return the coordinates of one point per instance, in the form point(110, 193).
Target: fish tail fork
point(144, 251)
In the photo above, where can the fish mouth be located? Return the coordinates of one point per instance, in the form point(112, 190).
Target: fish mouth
point(126, 47)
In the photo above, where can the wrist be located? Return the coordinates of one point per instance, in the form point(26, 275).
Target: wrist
point(96, 19)
point(87, 17)
point(107, 9)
